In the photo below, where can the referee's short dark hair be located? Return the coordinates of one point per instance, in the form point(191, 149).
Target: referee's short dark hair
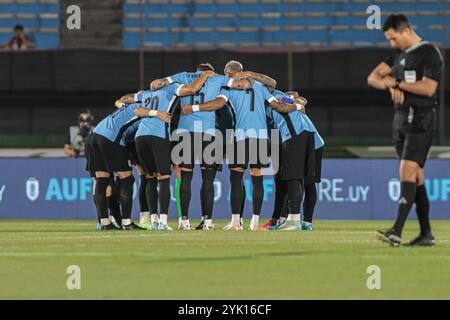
point(398, 22)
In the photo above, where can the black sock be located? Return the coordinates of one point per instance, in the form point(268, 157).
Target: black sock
point(114, 208)
point(310, 201)
point(126, 196)
point(143, 205)
point(96, 208)
point(407, 196)
point(243, 200)
point(295, 196)
point(207, 192)
point(257, 194)
point(423, 210)
point(280, 196)
point(100, 197)
point(185, 193)
point(151, 194)
point(237, 192)
point(164, 195)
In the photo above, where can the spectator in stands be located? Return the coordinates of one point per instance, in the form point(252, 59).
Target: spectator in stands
point(76, 139)
point(21, 41)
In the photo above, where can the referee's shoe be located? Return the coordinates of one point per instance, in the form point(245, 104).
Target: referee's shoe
point(422, 241)
point(390, 236)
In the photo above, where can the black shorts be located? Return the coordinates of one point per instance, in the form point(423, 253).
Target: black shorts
point(201, 149)
point(413, 139)
point(253, 152)
point(298, 157)
point(317, 178)
point(88, 153)
point(105, 155)
point(154, 154)
point(132, 153)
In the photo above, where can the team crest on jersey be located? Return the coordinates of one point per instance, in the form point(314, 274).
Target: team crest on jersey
point(394, 189)
point(32, 189)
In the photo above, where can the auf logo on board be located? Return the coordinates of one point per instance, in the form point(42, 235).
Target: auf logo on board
point(437, 189)
point(65, 189)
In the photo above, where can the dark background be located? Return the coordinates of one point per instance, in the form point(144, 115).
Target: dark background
point(42, 92)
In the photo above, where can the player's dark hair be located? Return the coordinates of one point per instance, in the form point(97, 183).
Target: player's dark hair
point(398, 22)
point(205, 67)
point(18, 27)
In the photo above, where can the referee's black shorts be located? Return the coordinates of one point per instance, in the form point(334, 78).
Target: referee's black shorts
point(298, 157)
point(105, 155)
point(154, 154)
point(202, 149)
point(413, 139)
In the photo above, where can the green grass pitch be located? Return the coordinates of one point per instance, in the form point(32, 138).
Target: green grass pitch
point(330, 263)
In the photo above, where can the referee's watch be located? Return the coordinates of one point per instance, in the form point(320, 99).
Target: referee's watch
point(397, 83)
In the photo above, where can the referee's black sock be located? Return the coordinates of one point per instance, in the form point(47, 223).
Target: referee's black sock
point(423, 210)
point(185, 193)
point(407, 196)
point(151, 194)
point(114, 208)
point(257, 194)
point(280, 197)
point(207, 192)
point(164, 195)
point(143, 205)
point(100, 197)
point(237, 192)
point(126, 196)
point(310, 201)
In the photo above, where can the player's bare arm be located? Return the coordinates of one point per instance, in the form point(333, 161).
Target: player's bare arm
point(159, 83)
point(264, 79)
point(213, 105)
point(142, 112)
point(282, 107)
point(196, 85)
point(126, 99)
point(425, 87)
point(375, 78)
point(242, 84)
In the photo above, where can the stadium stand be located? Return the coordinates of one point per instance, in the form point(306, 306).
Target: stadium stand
point(236, 23)
point(272, 23)
point(40, 18)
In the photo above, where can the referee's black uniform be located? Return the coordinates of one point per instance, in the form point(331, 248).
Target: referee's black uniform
point(415, 120)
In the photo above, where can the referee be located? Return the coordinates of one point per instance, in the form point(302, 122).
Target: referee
point(411, 74)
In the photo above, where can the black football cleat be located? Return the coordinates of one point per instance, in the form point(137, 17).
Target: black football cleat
point(390, 237)
point(110, 226)
point(200, 226)
point(133, 227)
point(423, 241)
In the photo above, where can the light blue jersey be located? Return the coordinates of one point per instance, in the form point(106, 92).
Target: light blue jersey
point(160, 100)
point(204, 121)
point(249, 107)
point(128, 135)
point(184, 77)
point(113, 126)
point(300, 122)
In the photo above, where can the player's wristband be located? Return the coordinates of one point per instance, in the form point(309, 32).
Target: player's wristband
point(153, 113)
point(299, 106)
point(195, 108)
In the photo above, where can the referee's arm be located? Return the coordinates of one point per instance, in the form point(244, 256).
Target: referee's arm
point(376, 77)
point(425, 87)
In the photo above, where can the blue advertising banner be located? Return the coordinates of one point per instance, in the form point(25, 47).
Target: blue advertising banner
point(59, 188)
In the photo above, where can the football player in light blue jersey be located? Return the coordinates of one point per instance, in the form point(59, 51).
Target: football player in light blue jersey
point(196, 133)
point(250, 136)
point(153, 143)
